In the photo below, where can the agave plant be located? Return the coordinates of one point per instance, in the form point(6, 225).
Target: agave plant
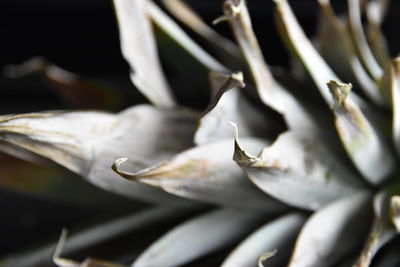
point(312, 181)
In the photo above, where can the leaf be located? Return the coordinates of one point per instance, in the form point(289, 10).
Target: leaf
point(276, 235)
point(76, 91)
point(208, 174)
point(394, 85)
point(271, 93)
point(333, 232)
point(366, 148)
point(382, 230)
point(229, 104)
point(63, 262)
point(335, 44)
point(308, 175)
point(296, 41)
point(172, 29)
point(226, 49)
point(376, 11)
point(395, 212)
point(198, 237)
point(360, 41)
point(94, 236)
point(139, 49)
point(89, 142)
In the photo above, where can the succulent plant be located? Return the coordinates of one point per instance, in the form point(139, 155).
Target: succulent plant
point(307, 184)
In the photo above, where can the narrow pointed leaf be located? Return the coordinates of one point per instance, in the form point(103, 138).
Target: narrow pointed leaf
point(207, 173)
point(335, 44)
point(382, 229)
point(172, 29)
point(270, 92)
point(363, 144)
point(395, 90)
point(307, 175)
point(229, 104)
point(227, 50)
point(278, 234)
point(89, 142)
point(76, 91)
point(296, 40)
point(64, 262)
point(395, 212)
point(139, 49)
point(360, 41)
point(198, 237)
point(93, 236)
point(376, 11)
point(333, 232)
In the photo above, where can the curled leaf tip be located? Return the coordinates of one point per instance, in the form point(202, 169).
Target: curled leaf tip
point(395, 212)
point(339, 91)
point(266, 256)
point(116, 167)
point(231, 10)
point(240, 155)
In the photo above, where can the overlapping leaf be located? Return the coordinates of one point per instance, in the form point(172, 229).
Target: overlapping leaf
point(212, 231)
point(307, 175)
point(89, 142)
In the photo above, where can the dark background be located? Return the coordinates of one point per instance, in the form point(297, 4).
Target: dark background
point(81, 36)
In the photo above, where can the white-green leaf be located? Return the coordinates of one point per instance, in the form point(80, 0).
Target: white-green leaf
point(139, 49)
point(300, 170)
point(207, 173)
point(382, 230)
point(360, 41)
point(334, 232)
point(172, 29)
point(93, 236)
point(271, 93)
point(89, 142)
point(278, 234)
point(395, 90)
point(227, 50)
point(297, 41)
point(335, 44)
point(366, 148)
point(198, 237)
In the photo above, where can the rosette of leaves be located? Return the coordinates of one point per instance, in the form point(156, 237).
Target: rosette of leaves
point(312, 181)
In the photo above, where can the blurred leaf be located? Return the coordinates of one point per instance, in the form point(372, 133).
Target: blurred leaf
point(139, 49)
point(278, 234)
point(89, 142)
point(198, 237)
point(333, 232)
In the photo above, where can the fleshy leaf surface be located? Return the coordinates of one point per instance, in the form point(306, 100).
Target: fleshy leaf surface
point(278, 234)
point(308, 175)
point(366, 148)
point(333, 232)
point(89, 142)
point(208, 174)
point(199, 236)
point(229, 104)
point(271, 93)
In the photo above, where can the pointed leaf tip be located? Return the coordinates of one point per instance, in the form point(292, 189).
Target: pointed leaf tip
point(265, 257)
point(115, 167)
point(340, 91)
point(240, 155)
